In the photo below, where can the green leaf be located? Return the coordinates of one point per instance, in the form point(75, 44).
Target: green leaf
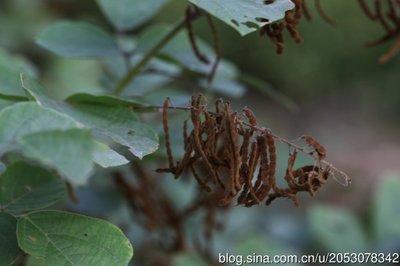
point(16, 63)
point(119, 124)
point(245, 16)
point(26, 118)
point(67, 151)
point(62, 238)
point(387, 211)
point(25, 187)
point(337, 229)
point(10, 68)
point(184, 259)
point(85, 98)
point(107, 157)
point(129, 14)
point(9, 249)
point(37, 92)
point(77, 39)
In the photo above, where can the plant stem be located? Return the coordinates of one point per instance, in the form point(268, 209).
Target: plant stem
point(135, 70)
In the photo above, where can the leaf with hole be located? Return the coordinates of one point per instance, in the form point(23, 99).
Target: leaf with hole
point(61, 238)
point(246, 16)
point(25, 187)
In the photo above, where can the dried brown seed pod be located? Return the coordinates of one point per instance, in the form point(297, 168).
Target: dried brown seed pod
point(230, 150)
point(321, 151)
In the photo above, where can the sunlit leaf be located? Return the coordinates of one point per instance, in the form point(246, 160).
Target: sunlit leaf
point(107, 157)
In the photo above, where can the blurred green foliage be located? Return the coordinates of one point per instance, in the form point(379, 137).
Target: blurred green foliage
point(331, 61)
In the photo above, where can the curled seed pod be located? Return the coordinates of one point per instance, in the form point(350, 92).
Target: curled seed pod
point(185, 134)
point(244, 149)
point(197, 142)
point(244, 173)
point(272, 160)
point(189, 15)
point(323, 14)
point(264, 162)
point(289, 177)
point(250, 116)
point(228, 149)
point(217, 48)
point(233, 147)
point(253, 160)
point(166, 134)
point(367, 11)
point(321, 151)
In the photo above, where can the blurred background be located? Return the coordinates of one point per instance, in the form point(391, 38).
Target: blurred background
point(342, 97)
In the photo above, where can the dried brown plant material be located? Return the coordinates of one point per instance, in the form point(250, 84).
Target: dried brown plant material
point(323, 14)
point(166, 134)
point(217, 48)
point(291, 22)
point(189, 17)
point(319, 149)
point(71, 193)
point(230, 150)
point(272, 160)
point(387, 14)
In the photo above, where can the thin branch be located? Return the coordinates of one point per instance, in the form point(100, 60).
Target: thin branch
point(135, 70)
